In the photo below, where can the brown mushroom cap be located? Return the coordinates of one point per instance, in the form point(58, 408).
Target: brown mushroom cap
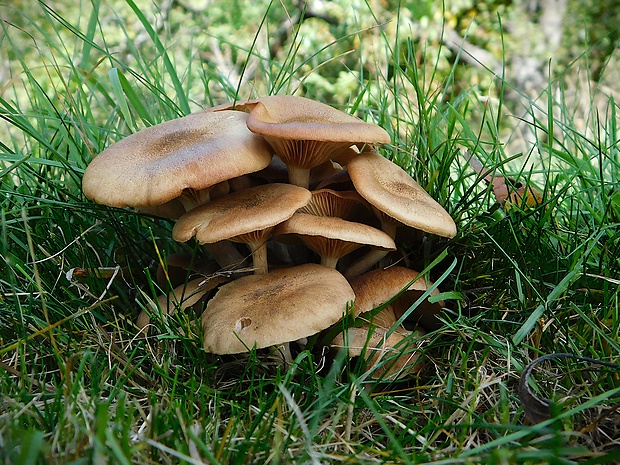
point(371, 338)
point(157, 164)
point(333, 237)
point(305, 133)
point(375, 288)
point(391, 190)
point(245, 216)
point(299, 118)
point(358, 338)
point(282, 306)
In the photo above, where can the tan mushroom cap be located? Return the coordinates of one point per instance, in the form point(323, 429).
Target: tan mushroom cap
point(156, 164)
point(372, 338)
point(357, 338)
point(375, 288)
point(245, 216)
point(305, 133)
point(333, 237)
point(300, 118)
point(282, 306)
point(392, 191)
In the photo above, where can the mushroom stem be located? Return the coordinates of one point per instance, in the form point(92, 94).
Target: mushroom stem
point(367, 261)
point(372, 257)
point(259, 257)
point(299, 176)
point(329, 261)
point(225, 254)
point(285, 351)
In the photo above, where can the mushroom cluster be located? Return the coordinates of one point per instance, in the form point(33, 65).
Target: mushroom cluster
point(297, 185)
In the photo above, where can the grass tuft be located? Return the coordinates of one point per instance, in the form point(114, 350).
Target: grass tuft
point(80, 383)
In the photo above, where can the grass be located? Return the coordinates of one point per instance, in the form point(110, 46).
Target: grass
point(79, 384)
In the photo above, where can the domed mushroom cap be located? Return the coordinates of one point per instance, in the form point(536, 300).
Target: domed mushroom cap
point(375, 288)
point(157, 164)
point(282, 306)
point(358, 337)
point(392, 191)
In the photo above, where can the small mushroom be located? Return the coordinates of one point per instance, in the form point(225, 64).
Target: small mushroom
point(247, 216)
point(390, 189)
point(332, 237)
point(271, 309)
point(389, 355)
point(507, 191)
point(305, 133)
point(377, 287)
point(397, 200)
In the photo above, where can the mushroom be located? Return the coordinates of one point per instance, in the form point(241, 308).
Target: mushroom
point(378, 287)
point(396, 200)
point(372, 336)
point(377, 290)
point(271, 309)
point(305, 133)
point(246, 216)
point(332, 237)
point(181, 158)
point(507, 191)
point(390, 189)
